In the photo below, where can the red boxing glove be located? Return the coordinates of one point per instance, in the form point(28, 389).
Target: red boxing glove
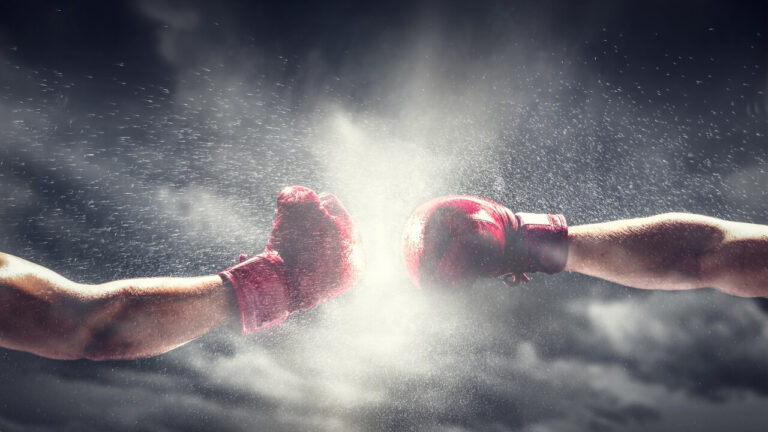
point(453, 240)
point(313, 254)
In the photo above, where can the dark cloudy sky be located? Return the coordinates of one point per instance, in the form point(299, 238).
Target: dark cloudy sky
point(151, 137)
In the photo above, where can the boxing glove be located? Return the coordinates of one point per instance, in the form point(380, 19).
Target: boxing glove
point(313, 254)
point(453, 240)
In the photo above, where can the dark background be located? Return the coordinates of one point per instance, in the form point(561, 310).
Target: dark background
point(151, 138)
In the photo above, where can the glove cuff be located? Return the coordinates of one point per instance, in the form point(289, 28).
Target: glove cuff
point(261, 289)
point(545, 237)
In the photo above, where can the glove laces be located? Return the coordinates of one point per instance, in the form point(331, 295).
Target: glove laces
point(515, 279)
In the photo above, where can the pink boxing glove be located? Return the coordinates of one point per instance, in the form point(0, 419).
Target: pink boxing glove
point(313, 254)
point(453, 240)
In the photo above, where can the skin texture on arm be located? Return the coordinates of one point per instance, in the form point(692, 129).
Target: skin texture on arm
point(674, 251)
point(46, 314)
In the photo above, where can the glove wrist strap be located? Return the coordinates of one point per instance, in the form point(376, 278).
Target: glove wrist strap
point(261, 289)
point(546, 238)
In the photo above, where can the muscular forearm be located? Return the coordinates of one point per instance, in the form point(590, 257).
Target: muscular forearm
point(673, 252)
point(143, 317)
point(47, 314)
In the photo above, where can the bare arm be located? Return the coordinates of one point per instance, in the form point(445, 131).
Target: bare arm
point(674, 251)
point(44, 313)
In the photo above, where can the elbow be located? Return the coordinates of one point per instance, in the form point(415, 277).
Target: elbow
point(695, 244)
point(78, 340)
point(83, 341)
point(102, 344)
point(737, 268)
point(102, 333)
point(113, 329)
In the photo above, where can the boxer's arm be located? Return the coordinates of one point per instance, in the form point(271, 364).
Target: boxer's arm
point(44, 313)
point(674, 251)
